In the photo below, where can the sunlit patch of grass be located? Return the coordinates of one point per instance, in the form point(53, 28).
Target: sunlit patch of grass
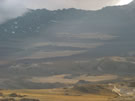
point(57, 95)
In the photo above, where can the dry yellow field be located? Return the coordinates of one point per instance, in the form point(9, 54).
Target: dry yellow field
point(62, 79)
point(57, 95)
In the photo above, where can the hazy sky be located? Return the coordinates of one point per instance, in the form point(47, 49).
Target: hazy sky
point(55, 4)
point(12, 8)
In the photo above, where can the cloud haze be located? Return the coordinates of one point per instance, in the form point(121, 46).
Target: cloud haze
point(10, 9)
point(13, 8)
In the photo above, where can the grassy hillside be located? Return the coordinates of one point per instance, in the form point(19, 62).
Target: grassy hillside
point(117, 91)
point(55, 95)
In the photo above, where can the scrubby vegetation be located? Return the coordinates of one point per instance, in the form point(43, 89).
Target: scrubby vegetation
point(27, 99)
point(7, 99)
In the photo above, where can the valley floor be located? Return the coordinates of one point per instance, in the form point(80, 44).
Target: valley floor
point(54, 95)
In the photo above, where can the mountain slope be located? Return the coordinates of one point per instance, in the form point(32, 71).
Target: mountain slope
point(68, 41)
point(45, 26)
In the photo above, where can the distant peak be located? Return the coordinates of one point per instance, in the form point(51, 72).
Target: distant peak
point(125, 2)
point(132, 4)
